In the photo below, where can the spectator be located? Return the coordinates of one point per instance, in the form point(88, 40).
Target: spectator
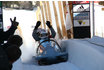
point(5, 59)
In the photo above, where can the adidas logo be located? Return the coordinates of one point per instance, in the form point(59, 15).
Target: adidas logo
point(81, 8)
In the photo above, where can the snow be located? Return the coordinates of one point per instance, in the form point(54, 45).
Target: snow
point(84, 54)
point(99, 40)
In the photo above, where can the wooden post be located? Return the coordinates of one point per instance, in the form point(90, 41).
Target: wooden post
point(64, 7)
point(40, 20)
point(45, 7)
point(43, 15)
point(46, 12)
point(49, 13)
point(37, 14)
point(57, 23)
point(70, 9)
point(70, 32)
point(62, 20)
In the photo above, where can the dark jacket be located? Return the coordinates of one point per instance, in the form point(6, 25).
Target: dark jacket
point(36, 36)
point(4, 62)
point(5, 49)
point(5, 45)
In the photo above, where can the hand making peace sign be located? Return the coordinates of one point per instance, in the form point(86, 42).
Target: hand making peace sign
point(14, 22)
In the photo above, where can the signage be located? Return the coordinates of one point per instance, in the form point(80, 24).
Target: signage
point(80, 23)
point(81, 16)
point(80, 8)
point(81, 19)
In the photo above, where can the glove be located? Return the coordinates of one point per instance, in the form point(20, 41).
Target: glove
point(37, 24)
point(14, 23)
point(48, 24)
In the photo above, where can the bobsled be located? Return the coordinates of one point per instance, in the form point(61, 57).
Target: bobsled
point(49, 52)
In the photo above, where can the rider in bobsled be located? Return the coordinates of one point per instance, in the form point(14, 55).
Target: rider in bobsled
point(45, 45)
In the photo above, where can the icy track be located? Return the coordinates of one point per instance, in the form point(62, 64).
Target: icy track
point(62, 66)
point(84, 54)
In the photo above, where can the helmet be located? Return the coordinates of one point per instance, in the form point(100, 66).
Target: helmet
point(42, 33)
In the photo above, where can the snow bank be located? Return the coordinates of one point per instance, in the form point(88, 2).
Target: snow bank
point(97, 40)
point(83, 56)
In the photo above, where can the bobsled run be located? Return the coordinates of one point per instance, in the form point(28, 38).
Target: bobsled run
point(49, 52)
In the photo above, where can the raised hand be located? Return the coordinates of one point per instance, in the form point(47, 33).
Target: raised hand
point(14, 22)
point(48, 24)
point(37, 24)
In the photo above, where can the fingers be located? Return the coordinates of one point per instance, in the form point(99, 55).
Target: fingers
point(48, 24)
point(14, 19)
point(11, 20)
point(47, 21)
point(39, 22)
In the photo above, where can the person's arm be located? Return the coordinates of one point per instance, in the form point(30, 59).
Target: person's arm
point(34, 34)
point(11, 30)
point(53, 33)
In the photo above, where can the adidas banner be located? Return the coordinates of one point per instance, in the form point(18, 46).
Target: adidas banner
point(81, 8)
point(81, 19)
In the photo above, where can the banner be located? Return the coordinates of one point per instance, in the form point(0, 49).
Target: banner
point(81, 16)
point(81, 8)
point(81, 19)
point(80, 23)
